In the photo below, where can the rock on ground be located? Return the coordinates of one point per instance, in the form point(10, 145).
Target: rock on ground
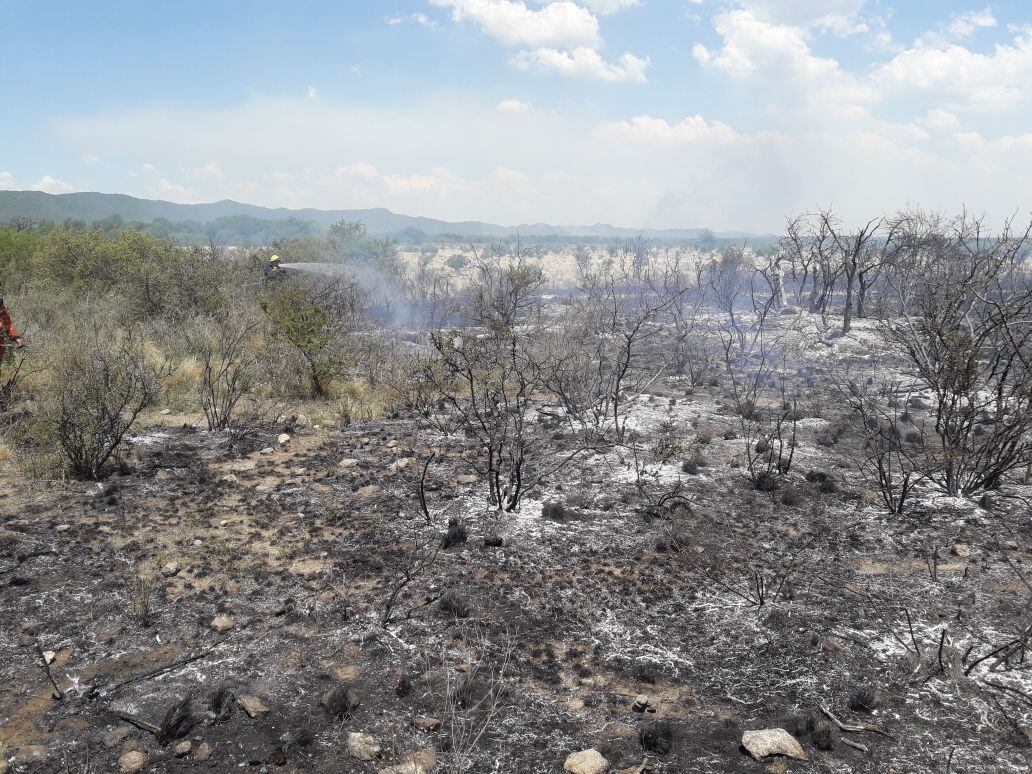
point(588, 761)
point(363, 746)
point(772, 741)
point(253, 706)
point(133, 761)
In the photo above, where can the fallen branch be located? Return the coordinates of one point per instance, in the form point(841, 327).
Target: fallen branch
point(167, 668)
point(146, 725)
point(857, 728)
point(855, 745)
point(58, 693)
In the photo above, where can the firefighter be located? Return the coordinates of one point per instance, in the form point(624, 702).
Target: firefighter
point(9, 336)
point(272, 269)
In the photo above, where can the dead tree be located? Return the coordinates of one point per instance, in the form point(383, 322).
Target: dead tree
point(965, 331)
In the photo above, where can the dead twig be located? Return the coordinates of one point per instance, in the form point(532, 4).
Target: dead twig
point(167, 668)
point(855, 745)
point(58, 693)
point(857, 728)
point(146, 725)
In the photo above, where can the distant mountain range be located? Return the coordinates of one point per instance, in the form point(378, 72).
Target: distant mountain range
point(97, 206)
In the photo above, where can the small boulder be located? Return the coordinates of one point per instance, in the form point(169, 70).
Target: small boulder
point(253, 706)
point(183, 749)
point(588, 761)
point(222, 623)
point(363, 746)
point(427, 723)
point(772, 741)
point(961, 550)
point(171, 569)
point(283, 438)
point(133, 761)
point(203, 752)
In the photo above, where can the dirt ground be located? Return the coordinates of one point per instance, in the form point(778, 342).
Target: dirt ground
point(252, 567)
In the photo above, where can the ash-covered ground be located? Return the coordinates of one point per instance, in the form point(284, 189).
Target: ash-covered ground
point(274, 599)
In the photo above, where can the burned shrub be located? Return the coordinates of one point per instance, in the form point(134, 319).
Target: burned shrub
point(340, 702)
point(766, 482)
point(221, 705)
point(730, 435)
point(291, 741)
point(865, 699)
point(404, 687)
point(657, 737)
point(554, 510)
point(791, 497)
point(824, 736)
point(456, 534)
point(178, 721)
point(825, 438)
point(761, 447)
point(827, 486)
point(455, 604)
point(816, 476)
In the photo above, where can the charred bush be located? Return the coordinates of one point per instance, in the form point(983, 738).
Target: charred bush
point(340, 702)
point(766, 482)
point(404, 687)
point(178, 721)
point(554, 510)
point(824, 735)
point(657, 737)
point(221, 705)
point(791, 497)
point(865, 699)
point(456, 534)
point(455, 604)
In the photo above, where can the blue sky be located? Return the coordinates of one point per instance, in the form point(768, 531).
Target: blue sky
point(658, 113)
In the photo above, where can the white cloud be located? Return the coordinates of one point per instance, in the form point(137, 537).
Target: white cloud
point(779, 56)
point(965, 24)
point(955, 77)
point(692, 129)
point(841, 17)
point(416, 18)
point(52, 185)
point(584, 62)
point(643, 172)
point(91, 158)
point(940, 120)
point(512, 106)
point(512, 23)
point(606, 7)
point(7, 182)
point(172, 192)
point(313, 93)
point(209, 171)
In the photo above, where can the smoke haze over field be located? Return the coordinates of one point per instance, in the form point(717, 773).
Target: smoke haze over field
point(717, 113)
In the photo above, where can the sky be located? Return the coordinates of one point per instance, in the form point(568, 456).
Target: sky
point(727, 114)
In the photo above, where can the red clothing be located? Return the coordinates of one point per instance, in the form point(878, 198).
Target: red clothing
point(7, 330)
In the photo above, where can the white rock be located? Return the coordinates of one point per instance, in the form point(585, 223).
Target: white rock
point(772, 741)
point(363, 746)
point(222, 623)
point(133, 761)
point(588, 761)
point(283, 438)
point(253, 706)
point(171, 569)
